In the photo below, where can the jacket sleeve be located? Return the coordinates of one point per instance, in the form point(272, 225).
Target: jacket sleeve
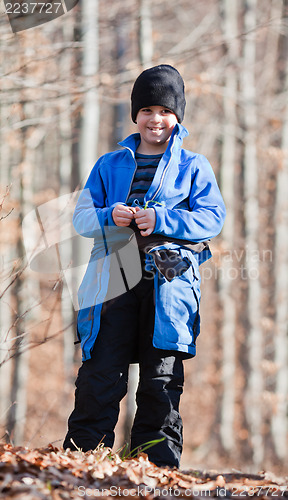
point(206, 213)
point(91, 214)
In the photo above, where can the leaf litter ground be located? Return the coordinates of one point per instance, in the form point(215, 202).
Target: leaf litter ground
point(51, 473)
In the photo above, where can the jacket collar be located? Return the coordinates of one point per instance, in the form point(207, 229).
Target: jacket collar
point(132, 141)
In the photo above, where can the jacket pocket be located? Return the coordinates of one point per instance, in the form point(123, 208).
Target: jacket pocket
point(177, 307)
point(196, 323)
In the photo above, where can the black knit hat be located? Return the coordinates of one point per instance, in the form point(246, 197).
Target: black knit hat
point(159, 86)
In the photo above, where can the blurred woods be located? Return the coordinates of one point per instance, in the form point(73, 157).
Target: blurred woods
point(64, 102)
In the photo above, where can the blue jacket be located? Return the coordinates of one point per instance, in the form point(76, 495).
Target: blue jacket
point(191, 208)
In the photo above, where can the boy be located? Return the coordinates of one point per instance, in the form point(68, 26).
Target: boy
point(169, 194)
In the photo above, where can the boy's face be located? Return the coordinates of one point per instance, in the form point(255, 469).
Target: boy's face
point(155, 124)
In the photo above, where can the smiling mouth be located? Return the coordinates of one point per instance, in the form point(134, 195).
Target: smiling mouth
point(156, 129)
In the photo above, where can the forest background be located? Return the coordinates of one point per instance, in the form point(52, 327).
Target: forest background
point(65, 92)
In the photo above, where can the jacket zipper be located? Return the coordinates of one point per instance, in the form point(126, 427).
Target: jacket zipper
point(164, 171)
point(163, 174)
point(133, 156)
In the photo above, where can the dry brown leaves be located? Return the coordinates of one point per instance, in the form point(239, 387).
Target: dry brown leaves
point(55, 474)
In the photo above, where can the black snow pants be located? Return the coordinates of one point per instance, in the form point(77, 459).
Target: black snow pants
point(126, 331)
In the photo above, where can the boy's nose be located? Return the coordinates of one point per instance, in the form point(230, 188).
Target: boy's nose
point(156, 117)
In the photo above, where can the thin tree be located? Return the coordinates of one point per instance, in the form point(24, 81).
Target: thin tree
point(16, 417)
point(228, 162)
point(279, 419)
point(90, 72)
point(254, 385)
point(65, 173)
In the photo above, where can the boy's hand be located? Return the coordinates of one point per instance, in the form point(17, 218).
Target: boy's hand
point(123, 215)
point(145, 220)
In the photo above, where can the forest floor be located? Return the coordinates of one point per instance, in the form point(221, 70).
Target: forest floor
point(51, 473)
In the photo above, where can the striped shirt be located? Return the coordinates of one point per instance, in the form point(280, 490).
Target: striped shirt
point(146, 168)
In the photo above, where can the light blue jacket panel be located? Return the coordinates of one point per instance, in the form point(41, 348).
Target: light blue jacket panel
point(188, 205)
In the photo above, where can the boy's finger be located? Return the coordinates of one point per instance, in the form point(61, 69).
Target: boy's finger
point(129, 210)
point(124, 219)
point(140, 212)
point(124, 213)
point(140, 217)
point(124, 209)
point(146, 232)
point(143, 225)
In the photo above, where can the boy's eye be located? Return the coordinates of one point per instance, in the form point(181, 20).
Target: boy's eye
point(164, 111)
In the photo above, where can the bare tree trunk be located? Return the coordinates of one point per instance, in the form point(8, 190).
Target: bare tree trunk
point(251, 210)
point(5, 269)
point(120, 108)
point(89, 124)
point(230, 22)
point(267, 94)
point(65, 170)
point(18, 405)
point(90, 70)
point(145, 34)
point(279, 419)
point(90, 118)
point(22, 301)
